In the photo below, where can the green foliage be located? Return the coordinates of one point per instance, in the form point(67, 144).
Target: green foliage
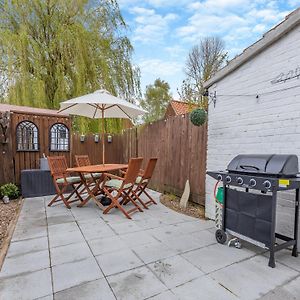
point(198, 116)
point(54, 50)
point(10, 190)
point(156, 100)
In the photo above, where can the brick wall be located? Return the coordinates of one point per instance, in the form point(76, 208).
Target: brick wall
point(267, 124)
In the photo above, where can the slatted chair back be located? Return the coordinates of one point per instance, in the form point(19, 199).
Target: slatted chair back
point(82, 160)
point(58, 168)
point(57, 165)
point(150, 168)
point(142, 184)
point(133, 170)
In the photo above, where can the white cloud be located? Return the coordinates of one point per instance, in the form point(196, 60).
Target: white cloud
point(169, 70)
point(215, 5)
point(150, 26)
point(201, 25)
point(175, 51)
point(294, 3)
point(142, 11)
point(260, 28)
point(167, 3)
point(236, 21)
point(153, 3)
point(160, 68)
point(267, 15)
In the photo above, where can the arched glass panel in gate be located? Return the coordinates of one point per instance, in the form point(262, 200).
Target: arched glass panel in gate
point(27, 136)
point(59, 137)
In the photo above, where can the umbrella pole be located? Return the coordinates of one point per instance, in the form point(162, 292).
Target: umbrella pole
point(103, 142)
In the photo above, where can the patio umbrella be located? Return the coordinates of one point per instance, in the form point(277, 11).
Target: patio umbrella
point(99, 105)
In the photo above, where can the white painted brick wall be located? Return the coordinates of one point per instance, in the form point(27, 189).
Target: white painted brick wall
point(269, 124)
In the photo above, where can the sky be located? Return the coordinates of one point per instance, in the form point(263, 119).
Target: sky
point(163, 31)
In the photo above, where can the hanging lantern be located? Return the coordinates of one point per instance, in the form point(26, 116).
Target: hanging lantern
point(96, 138)
point(109, 138)
point(82, 138)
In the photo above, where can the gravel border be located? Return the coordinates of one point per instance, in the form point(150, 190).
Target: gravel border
point(193, 209)
point(9, 214)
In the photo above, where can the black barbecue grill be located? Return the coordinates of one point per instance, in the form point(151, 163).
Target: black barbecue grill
point(251, 184)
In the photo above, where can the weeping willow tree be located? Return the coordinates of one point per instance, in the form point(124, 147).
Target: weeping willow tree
point(53, 50)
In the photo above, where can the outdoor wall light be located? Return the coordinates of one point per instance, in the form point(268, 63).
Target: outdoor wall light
point(109, 138)
point(96, 138)
point(82, 138)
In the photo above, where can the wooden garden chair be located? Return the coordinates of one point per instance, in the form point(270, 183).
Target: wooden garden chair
point(122, 187)
point(63, 180)
point(93, 179)
point(142, 182)
point(84, 160)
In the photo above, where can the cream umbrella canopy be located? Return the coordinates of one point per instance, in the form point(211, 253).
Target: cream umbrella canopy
point(100, 105)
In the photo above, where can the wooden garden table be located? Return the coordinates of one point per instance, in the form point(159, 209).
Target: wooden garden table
point(106, 168)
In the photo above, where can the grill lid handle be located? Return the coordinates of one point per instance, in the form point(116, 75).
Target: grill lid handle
point(249, 168)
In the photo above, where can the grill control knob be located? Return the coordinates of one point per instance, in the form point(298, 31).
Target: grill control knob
point(252, 182)
point(220, 177)
point(267, 184)
point(240, 180)
point(228, 179)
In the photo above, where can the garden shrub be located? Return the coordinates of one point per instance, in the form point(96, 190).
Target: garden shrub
point(10, 190)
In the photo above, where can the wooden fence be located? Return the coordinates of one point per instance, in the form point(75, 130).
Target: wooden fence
point(117, 151)
point(181, 150)
point(179, 146)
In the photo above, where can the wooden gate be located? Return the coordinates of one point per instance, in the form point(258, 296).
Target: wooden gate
point(12, 160)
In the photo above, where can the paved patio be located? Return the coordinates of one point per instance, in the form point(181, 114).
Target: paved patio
point(80, 253)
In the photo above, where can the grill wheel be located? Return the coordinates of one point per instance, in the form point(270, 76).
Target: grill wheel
point(221, 236)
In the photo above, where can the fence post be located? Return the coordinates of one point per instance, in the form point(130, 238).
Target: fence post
point(136, 143)
point(6, 158)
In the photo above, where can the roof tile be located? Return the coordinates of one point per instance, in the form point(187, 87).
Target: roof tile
point(181, 107)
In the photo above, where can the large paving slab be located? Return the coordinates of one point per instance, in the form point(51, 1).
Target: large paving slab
point(96, 230)
point(118, 261)
point(57, 253)
point(203, 288)
point(154, 251)
point(106, 245)
point(69, 253)
point(28, 232)
point(175, 271)
point(29, 286)
point(188, 242)
point(27, 246)
point(24, 263)
point(252, 278)
point(289, 291)
point(216, 256)
point(136, 284)
point(62, 238)
point(74, 273)
point(98, 289)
